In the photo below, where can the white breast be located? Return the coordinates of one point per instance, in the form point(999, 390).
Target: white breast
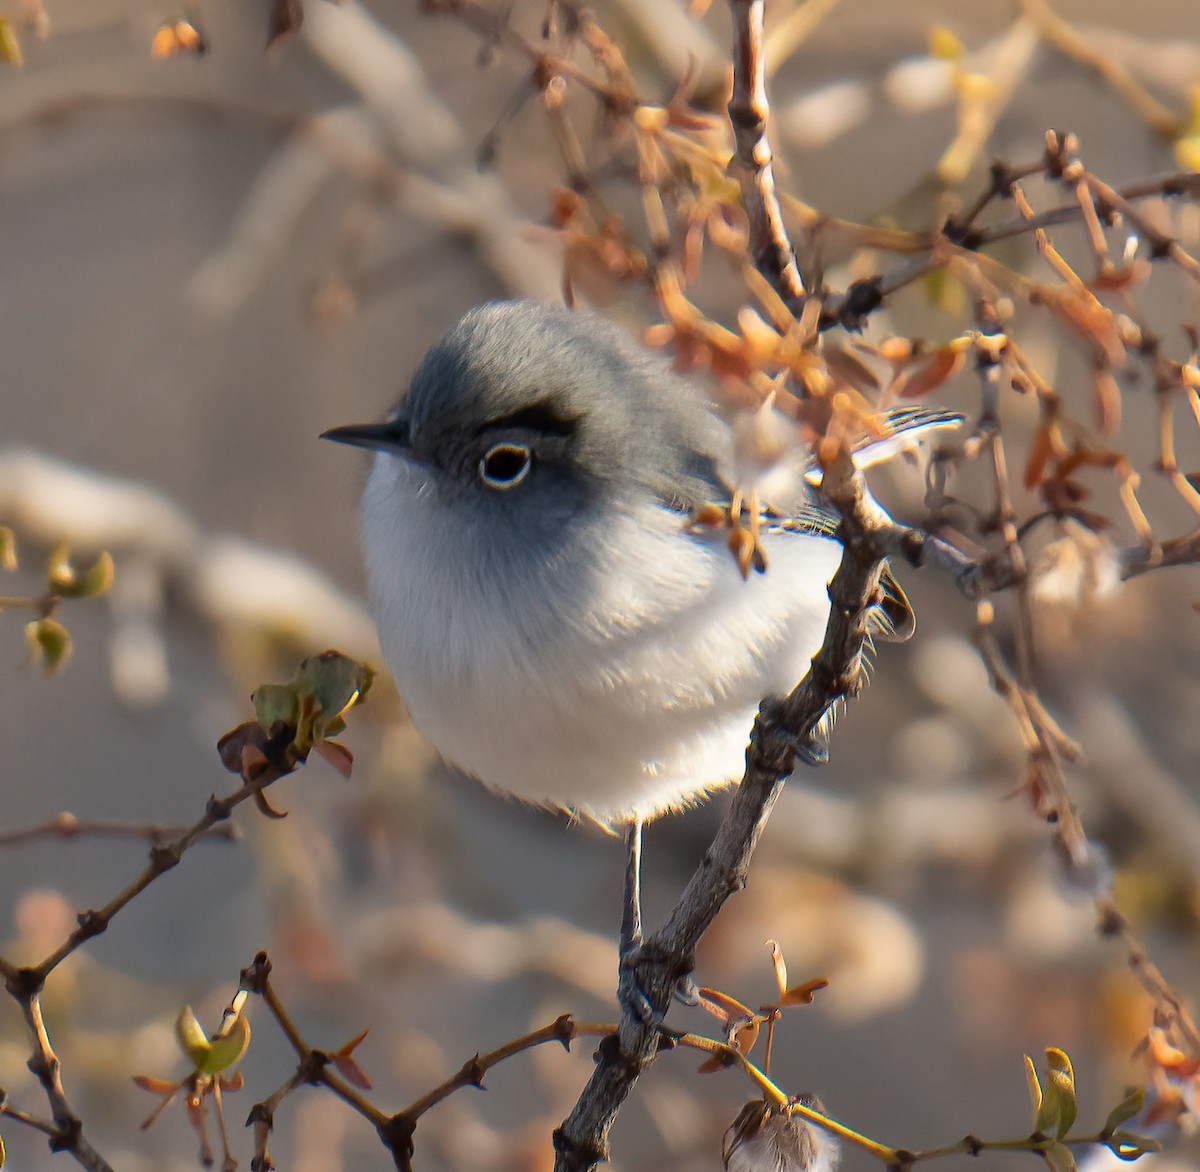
point(630, 698)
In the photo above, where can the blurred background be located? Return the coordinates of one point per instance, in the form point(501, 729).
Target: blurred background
point(207, 260)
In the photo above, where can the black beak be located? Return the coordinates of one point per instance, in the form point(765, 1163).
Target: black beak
point(388, 435)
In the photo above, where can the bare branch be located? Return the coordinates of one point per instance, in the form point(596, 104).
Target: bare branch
point(748, 112)
point(66, 826)
point(67, 1135)
point(781, 730)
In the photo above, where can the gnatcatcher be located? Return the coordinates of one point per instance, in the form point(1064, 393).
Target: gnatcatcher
point(556, 625)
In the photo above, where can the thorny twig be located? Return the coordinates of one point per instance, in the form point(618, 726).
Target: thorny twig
point(66, 825)
point(24, 983)
point(66, 1133)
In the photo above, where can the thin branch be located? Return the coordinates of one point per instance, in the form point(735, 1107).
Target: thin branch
point(748, 112)
point(1141, 559)
point(30, 979)
point(1180, 184)
point(1112, 923)
point(1160, 243)
point(30, 1121)
point(67, 1135)
point(563, 1029)
point(852, 306)
point(66, 826)
point(780, 730)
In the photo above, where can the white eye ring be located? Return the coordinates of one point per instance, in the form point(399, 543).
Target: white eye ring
point(504, 466)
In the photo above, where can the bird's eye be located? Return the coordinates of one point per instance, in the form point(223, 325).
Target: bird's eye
point(505, 465)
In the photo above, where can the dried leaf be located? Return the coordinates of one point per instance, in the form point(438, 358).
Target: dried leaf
point(1089, 318)
point(780, 966)
point(803, 994)
point(928, 375)
point(684, 117)
point(254, 763)
point(743, 1038)
point(1174, 1061)
point(721, 1005)
point(231, 747)
point(266, 809)
point(156, 1086)
point(337, 755)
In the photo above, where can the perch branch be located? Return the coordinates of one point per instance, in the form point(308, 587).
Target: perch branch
point(782, 727)
point(748, 113)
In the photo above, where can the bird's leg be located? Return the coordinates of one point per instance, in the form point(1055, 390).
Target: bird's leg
point(631, 911)
point(814, 749)
point(629, 992)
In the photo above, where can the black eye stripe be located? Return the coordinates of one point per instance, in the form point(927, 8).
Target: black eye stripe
point(546, 418)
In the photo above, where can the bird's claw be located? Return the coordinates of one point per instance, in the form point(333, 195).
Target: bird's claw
point(632, 996)
point(813, 750)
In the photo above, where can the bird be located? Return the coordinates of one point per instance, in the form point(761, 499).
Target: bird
point(556, 622)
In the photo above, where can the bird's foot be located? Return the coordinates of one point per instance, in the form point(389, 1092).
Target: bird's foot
point(813, 749)
point(633, 998)
point(630, 994)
